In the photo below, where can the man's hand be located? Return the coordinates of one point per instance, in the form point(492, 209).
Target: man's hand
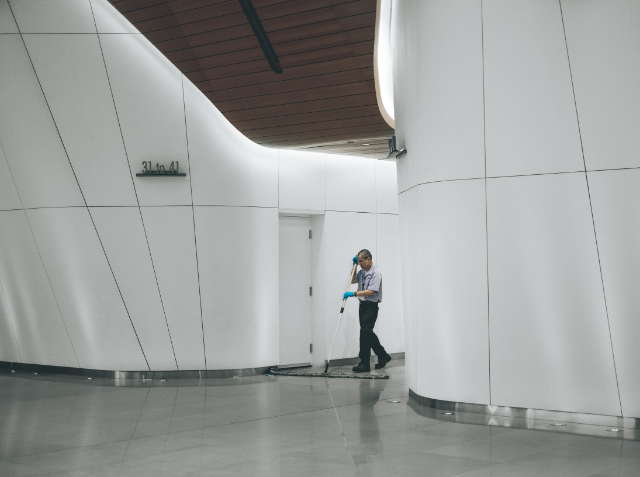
point(355, 259)
point(347, 295)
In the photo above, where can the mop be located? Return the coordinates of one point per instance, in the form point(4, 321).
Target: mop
point(326, 373)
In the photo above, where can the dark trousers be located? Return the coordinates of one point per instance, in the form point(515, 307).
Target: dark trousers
point(368, 340)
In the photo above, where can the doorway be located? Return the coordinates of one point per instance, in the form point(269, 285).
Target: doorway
point(295, 291)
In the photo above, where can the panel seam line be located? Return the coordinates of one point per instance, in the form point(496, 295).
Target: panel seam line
point(593, 222)
point(83, 198)
point(135, 190)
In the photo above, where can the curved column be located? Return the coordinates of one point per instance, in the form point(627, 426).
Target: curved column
point(509, 196)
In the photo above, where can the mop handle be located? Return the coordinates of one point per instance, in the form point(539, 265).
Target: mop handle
point(353, 272)
point(344, 302)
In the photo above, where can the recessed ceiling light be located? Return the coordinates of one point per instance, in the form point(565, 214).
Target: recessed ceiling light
point(89, 378)
point(394, 402)
point(557, 424)
point(447, 413)
point(366, 144)
point(615, 430)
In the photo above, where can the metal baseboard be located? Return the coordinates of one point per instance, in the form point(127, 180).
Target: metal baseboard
point(526, 418)
point(8, 366)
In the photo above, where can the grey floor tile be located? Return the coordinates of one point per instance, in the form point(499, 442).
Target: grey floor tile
point(280, 426)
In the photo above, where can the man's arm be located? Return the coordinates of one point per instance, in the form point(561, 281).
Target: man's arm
point(354, 276)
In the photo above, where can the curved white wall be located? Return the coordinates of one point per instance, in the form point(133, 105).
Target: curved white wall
point(102, 269)
point(519, 223)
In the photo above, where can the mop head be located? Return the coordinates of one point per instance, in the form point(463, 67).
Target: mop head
point(275, 372)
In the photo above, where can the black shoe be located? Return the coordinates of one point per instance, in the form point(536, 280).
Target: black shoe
point(361, 368)
point(382, 362)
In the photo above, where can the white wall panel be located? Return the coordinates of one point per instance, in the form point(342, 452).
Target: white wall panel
point(301, 180)
point(110, 20)
point(86, 291)
point(238, 260)
point(28, 134)
point(390, 315)
point(9, 198)
point(450, 144)
point(148, 94)
point(172, 242)
point(74, 80)
point(386, 187)
point(227, 168)
point(123, 238)
point(603, 38)
point(7, 23)
point(351, 184)
point(53, 16)
point(404, 19)
point(550, 346)
point(408, 223)
point(615, 196)
point(346, 233)
point(38, 325)
point(451, 292)
point(531, 124)
point(8, 344)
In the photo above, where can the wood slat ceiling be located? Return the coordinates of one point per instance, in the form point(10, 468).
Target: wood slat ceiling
point(324, 100)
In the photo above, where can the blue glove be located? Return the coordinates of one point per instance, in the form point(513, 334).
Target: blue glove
point(347, 295)
point(355, 259)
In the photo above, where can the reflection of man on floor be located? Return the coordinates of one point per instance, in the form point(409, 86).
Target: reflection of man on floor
point(369, 280)
point(369, 430)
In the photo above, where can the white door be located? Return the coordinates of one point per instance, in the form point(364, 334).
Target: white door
point(295, 293)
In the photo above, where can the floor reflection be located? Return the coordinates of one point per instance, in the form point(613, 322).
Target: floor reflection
point(278, 426)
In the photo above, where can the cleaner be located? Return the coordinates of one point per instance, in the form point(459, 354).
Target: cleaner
point(369, 280)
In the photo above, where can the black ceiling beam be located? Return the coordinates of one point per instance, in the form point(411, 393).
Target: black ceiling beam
point(261, 35)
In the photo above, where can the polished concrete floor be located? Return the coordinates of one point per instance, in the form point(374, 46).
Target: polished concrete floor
point(274, 426)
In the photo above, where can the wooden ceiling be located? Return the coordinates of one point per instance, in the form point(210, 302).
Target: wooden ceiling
point(325, 98)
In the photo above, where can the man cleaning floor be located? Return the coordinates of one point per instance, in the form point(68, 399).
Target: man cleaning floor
point(369, 280)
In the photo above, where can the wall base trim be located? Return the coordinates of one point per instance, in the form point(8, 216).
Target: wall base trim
point(526, 418)
point(100, 373)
